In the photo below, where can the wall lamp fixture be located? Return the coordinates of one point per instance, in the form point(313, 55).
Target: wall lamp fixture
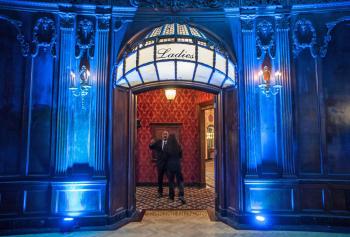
point(267, 85)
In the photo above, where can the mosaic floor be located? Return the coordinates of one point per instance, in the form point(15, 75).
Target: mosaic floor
point(183, 223)
point(196, 199)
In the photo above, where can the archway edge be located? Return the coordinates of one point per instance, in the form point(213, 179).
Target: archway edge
point(137, 36)
point(176, 84)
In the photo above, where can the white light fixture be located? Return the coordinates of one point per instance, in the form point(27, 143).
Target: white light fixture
point(267, 86)
point(170, 94)
point(175, 52)
point(82, 87)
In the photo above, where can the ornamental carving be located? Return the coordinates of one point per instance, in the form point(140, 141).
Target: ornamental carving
point(67, 21)
point(44, 35)
point(20, 37)
point(265, 38)
point(177, 5)
point(304, 36)
point(282, 22)
point(103, 22)
point(247, 24)
point(85, 39)
point(182, 4)
point(327, 38)
point(263, 2)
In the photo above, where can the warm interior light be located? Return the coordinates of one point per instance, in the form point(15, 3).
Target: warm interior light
point(170, 94)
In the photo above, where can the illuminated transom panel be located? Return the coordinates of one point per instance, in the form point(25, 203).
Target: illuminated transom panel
point(175, 52)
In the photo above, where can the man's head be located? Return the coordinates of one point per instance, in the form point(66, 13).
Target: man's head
point(165, 135)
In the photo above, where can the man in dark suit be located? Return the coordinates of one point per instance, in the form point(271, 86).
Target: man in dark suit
point(158, 146)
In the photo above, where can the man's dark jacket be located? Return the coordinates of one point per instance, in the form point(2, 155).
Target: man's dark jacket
point(161, 158)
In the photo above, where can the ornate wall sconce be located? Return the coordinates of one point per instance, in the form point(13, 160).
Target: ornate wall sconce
point(265, 85)
point(82, 88)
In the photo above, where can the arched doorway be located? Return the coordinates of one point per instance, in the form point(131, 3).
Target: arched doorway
point(174, 55)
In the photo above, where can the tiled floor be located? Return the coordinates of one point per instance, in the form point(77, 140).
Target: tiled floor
point(184, 223)
point(196, 199)
point(209, 173)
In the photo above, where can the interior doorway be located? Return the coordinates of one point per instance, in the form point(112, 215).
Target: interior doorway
point(182, 116)
point(207, 142)
point(181, 56)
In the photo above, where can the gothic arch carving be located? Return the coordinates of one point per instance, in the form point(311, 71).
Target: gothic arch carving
point(20, 37)
point(327, 38)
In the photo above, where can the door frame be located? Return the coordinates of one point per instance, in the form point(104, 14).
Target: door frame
point(202, 108)
point(220, 159)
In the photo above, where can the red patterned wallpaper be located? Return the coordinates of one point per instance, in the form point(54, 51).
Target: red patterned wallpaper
point(153, 107)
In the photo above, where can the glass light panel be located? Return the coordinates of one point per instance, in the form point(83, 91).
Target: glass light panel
point(185, 70)
point(122, 83)
point(148, 73)
point(120, 70)
point(195, 32)
point(133, 78)
point(205, 56)
point(231, 70)
point(146, 55)
point(182, 29)
point(130, 62)
point(166, 70)
point(220, 62)
point(203, 73)
point(228, 83)
point(156, 31)
point(175, 51)
point(169, 29)
point(217, 78)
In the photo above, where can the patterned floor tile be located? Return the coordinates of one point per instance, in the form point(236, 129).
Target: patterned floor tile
point(196, 199)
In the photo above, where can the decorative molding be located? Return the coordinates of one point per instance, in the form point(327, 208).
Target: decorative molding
point(44, 35)
point(247, 24)
point(253, 3)
point(282, 22)
point(327, 38)
point(67, 20)
point(85, 38)
point(176, 5)
point(20, 37)
point(304, 36)
point(265, 38)
point(103, 23)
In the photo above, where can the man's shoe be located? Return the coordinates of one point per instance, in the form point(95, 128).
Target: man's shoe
point(182, 199)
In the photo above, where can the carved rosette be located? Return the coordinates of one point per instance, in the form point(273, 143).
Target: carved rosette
point(85, 38)
point(304, 36)
point(44, 35)
point(265, 38)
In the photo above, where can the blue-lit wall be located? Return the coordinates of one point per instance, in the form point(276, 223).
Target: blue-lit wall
point(58, 154)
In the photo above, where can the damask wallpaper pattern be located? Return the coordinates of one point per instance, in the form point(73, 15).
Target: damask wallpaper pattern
point(153, 107)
